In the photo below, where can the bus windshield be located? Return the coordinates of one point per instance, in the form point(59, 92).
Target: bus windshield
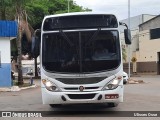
point(80, 22)
point(81, 51)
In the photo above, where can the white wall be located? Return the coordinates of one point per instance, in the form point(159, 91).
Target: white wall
point(148, 48)
point(136, 21)
point(147, 17)
point(5, 50)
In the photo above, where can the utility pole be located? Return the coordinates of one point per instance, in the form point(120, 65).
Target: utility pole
point(129, 46)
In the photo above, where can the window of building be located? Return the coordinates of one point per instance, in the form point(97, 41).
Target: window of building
point(154, 33)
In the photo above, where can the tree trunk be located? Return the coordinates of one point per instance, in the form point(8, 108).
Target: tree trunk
point(20, 77)
point(3, 13)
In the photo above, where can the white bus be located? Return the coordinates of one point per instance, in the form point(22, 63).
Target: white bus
point(81, 59)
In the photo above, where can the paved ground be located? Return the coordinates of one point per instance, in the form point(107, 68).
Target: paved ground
point(137, 97)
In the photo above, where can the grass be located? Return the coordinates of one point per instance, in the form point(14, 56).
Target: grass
point(15, 83)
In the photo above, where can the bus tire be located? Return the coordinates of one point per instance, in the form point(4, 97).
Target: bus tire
point(55, 105)
point(124, 82)
point(112, 104)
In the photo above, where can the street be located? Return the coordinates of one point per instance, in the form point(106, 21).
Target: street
point(137, 97)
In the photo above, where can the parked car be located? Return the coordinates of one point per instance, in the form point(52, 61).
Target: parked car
point(125, 77)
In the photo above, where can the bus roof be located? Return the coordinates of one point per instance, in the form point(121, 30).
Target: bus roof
point(79, 20)
point(77, 13)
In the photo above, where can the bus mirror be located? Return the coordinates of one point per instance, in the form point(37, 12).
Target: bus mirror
point(36, 41)
point(127, 36)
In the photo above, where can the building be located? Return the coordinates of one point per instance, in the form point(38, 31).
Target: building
point(134, 27)
point(8, 31)
point(148, 55)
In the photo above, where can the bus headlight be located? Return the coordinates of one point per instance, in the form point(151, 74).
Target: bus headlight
point(113, 84)
point(50, 86)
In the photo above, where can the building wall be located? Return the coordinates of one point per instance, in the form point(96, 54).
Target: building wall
point(8, 31)
point(144, 49)
point(154, 23)
point(148, 48)
point(135, 22)
point(147, 56)
point(147, 67)
point(5, 67)
point(147, 17)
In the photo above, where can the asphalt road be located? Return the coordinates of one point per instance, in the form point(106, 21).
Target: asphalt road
point(137, 97)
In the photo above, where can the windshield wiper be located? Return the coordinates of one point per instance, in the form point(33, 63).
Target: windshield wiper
point(65, 36)
point(93, 37)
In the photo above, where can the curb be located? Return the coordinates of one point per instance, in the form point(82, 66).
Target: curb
point(131, 81)
point(16, 88)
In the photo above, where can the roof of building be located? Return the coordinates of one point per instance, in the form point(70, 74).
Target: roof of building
point(136, 21)
point(8, 28)
point(150, 20)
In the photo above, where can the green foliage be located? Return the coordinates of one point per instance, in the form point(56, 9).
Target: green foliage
point(15, 83)
point(8, 8)
point(5, 9)
point(37, 9)
point(124, 53)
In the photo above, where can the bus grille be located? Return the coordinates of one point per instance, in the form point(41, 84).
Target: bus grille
point(81, 96)
point(86, 88)
point(76, 81)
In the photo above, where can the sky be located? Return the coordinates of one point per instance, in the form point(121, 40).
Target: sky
point(120, 7)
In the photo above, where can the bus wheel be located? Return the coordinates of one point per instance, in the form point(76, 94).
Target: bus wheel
point(125, 82)
point(112, 104)
point(55, 105)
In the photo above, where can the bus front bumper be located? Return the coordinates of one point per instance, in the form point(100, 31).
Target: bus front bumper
point(107, 96)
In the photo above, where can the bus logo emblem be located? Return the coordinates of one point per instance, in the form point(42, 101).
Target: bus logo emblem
point(81, 88)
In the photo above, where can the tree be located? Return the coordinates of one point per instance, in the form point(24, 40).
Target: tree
point(33, 12)
point(5, 8)
point(21, 17)
point(124, 53)
point(37, 9)
point(15, 9)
